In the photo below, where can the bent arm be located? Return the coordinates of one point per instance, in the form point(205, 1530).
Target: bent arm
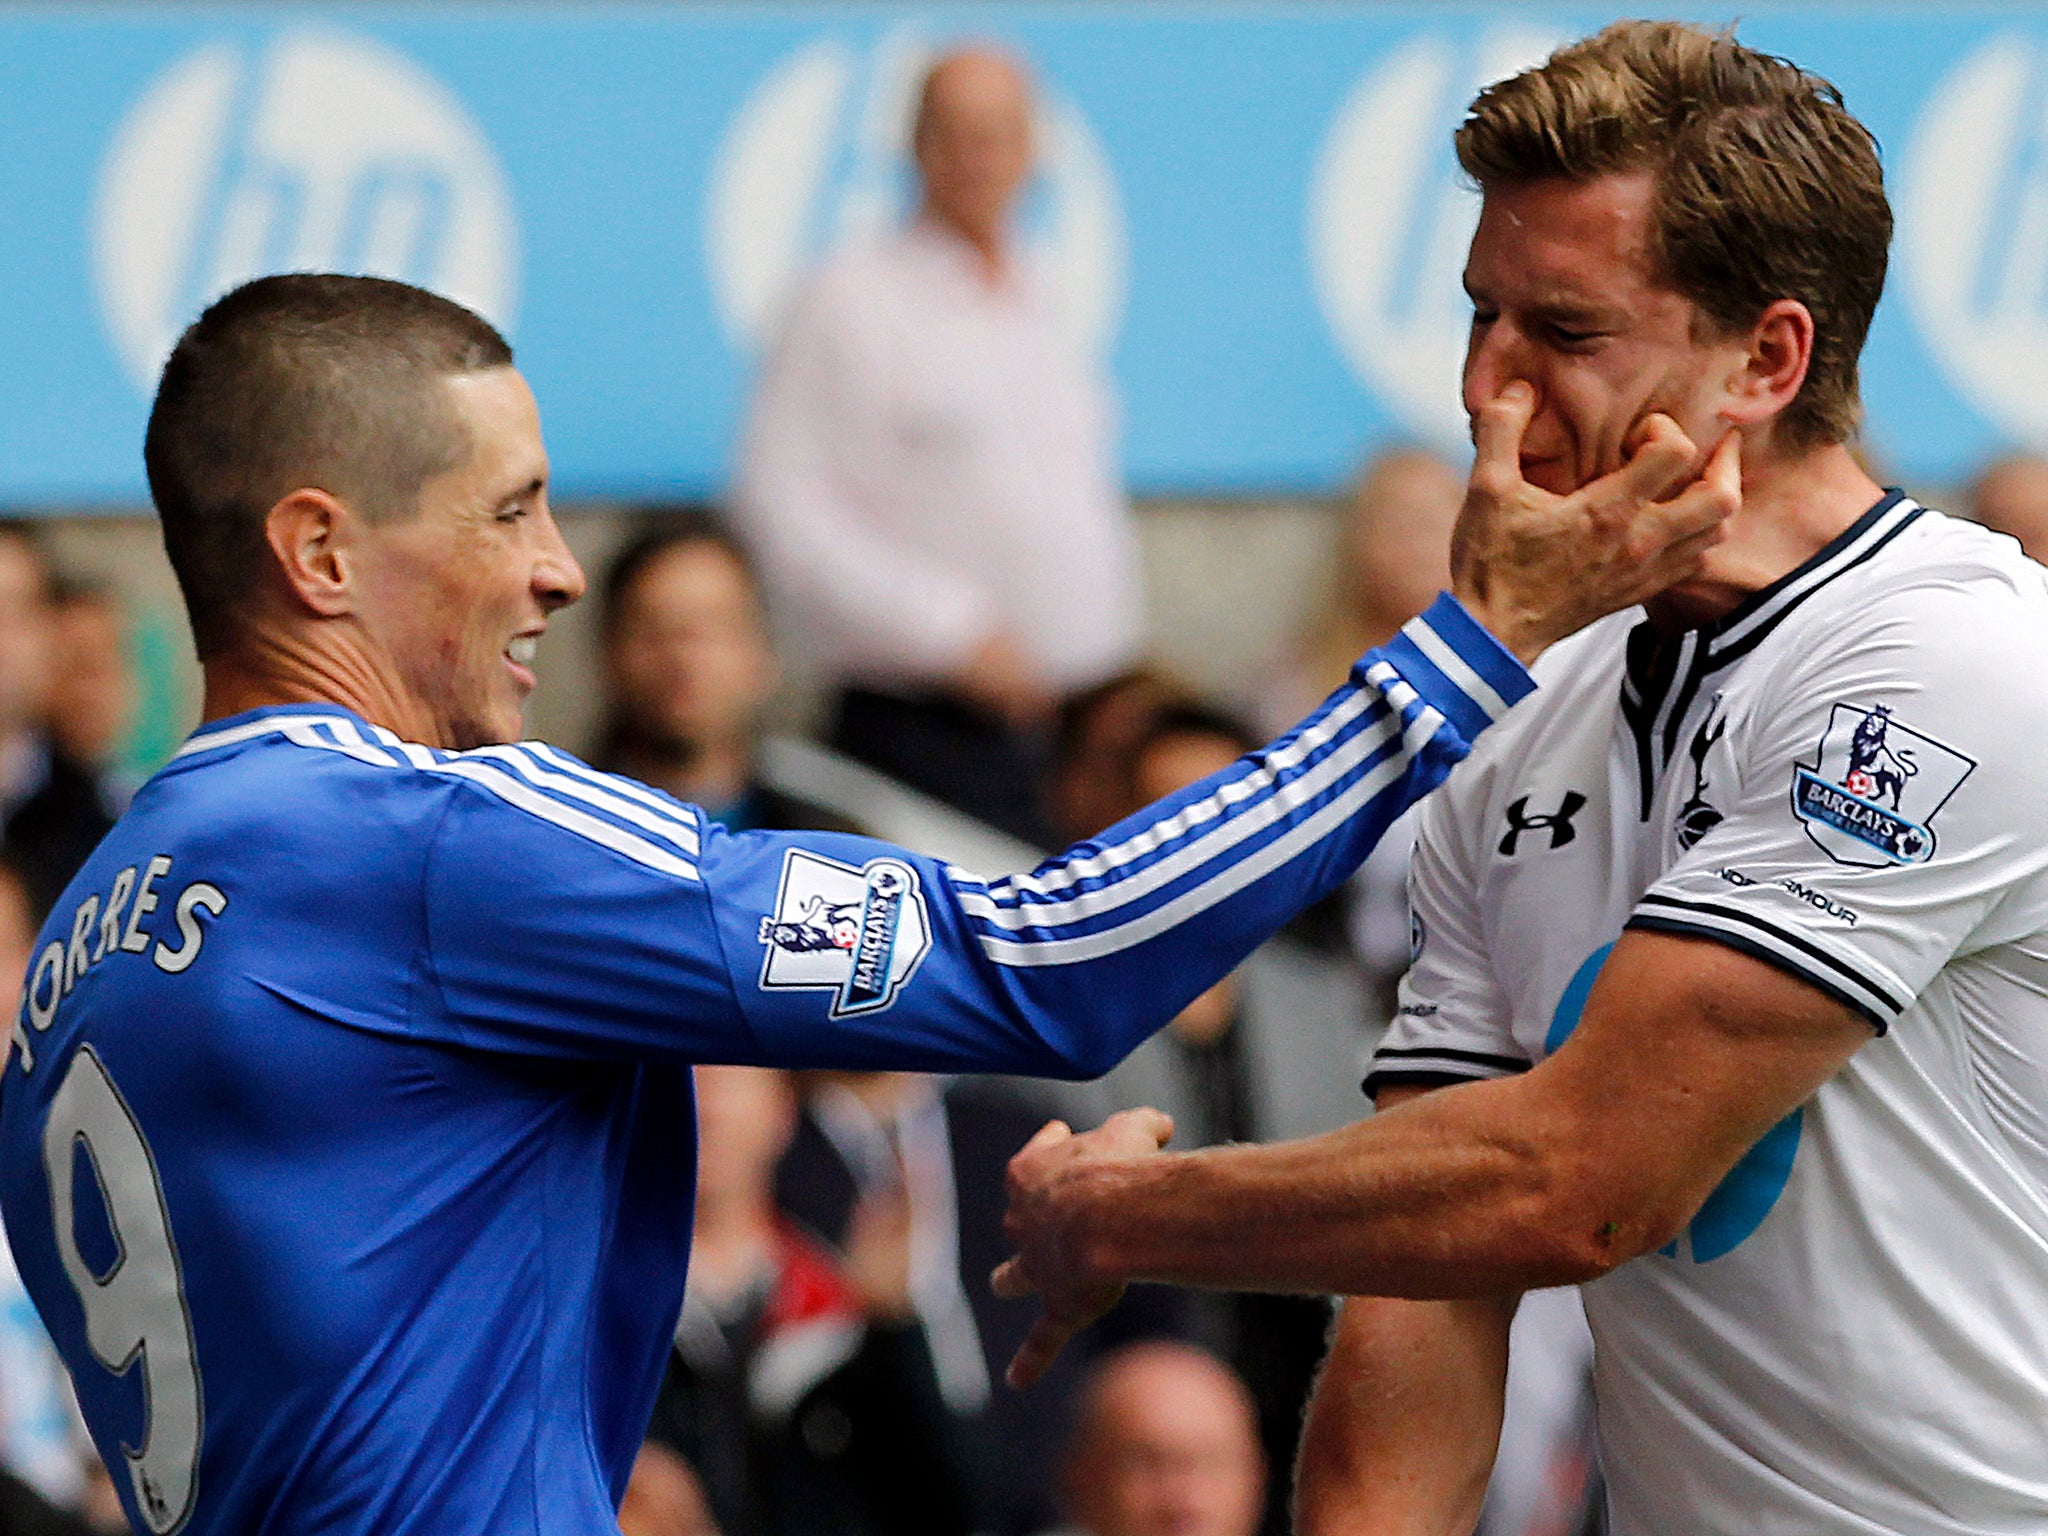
point(1689, 1053)
point(1405, 1419)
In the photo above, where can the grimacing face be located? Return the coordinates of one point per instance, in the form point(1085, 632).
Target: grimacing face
point(457, 595)
point(1566, 296)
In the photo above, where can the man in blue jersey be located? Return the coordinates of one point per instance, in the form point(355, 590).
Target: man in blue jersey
point(346, 1144)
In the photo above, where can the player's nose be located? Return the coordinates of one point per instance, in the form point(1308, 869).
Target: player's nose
point(558, 578)
point(1493, 358)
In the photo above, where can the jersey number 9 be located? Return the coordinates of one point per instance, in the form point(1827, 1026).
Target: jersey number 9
point(138, 1306)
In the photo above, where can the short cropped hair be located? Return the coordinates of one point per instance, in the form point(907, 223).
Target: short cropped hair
point(1766, 187)
point(300, 381)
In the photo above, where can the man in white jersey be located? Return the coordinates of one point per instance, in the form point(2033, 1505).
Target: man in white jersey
point(1731, 981)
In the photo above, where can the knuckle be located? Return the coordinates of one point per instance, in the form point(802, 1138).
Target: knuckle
point(1491, 480)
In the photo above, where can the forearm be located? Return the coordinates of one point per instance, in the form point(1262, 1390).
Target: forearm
point(1688, 1054)
point(1108, 941)
point(1474, 1191)
point(1401, 1433)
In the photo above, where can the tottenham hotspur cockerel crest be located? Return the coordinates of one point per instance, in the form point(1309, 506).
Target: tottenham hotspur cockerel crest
point(1871, 797)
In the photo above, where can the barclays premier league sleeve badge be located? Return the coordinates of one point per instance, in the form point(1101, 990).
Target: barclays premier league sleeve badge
point(1871, 799)
point(858, 933)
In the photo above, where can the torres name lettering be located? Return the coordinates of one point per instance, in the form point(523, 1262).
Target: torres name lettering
point(115, 926)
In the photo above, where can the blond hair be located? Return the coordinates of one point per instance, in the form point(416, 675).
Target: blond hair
point(1766, 187)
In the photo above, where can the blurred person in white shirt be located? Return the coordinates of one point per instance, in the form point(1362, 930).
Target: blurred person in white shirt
point(929, 474)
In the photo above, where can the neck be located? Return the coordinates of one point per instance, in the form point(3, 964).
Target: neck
point(711, 774)
point(987, 241)
point(269, 668)
point(1792, 507)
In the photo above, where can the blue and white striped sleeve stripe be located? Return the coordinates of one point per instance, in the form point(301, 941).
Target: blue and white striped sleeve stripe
point(1328, 789)
point(615, 813)
point(1452, 660)
point(602, 808)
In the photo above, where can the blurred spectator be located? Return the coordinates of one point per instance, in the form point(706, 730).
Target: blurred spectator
point(801, 1390)
point(865, 1135)
point(688, 671)
point(1089, 784)
point(1163, 1446)
point(882, 1135)
point(2012, 496)
point(93, 697)
point(1393, 556)
point(51, 812)
point(42, 1459)
point(928, 474)
point(663, 1497)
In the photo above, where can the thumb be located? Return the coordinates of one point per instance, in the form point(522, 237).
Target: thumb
point(1154, 1124)
point(1050, 1134)
point(1009, 1282)
point(1498, 429)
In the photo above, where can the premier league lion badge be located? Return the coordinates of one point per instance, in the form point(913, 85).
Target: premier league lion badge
point(1871, 798)
point(858, 933)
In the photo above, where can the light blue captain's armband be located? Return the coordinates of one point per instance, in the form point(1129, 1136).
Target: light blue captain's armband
point(1457, 666)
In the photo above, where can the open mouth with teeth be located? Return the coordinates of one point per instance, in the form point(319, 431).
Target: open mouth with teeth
point(523, 648)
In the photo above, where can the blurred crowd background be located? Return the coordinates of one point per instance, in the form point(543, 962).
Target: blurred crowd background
point(924, 608)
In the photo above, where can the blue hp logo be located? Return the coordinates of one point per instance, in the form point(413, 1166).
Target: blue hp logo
point(819, 155)
point(1389, 222)
point(318, 151)
point(1973, 232)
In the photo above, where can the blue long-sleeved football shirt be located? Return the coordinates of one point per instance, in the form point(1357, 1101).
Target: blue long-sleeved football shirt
point(347, 1142)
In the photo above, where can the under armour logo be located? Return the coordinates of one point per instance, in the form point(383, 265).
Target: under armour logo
point(1557, 823)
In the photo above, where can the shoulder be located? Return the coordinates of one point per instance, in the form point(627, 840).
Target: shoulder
point(1947, 603)
point(344, 779)
point(531, 794)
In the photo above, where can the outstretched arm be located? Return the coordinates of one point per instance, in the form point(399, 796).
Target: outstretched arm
point(1064, 970)
point(822, 950)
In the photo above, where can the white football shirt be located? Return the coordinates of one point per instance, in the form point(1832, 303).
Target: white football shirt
point(1844, 777)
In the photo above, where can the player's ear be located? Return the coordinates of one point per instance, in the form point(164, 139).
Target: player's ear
point(1768, 376)
point(308, 534)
